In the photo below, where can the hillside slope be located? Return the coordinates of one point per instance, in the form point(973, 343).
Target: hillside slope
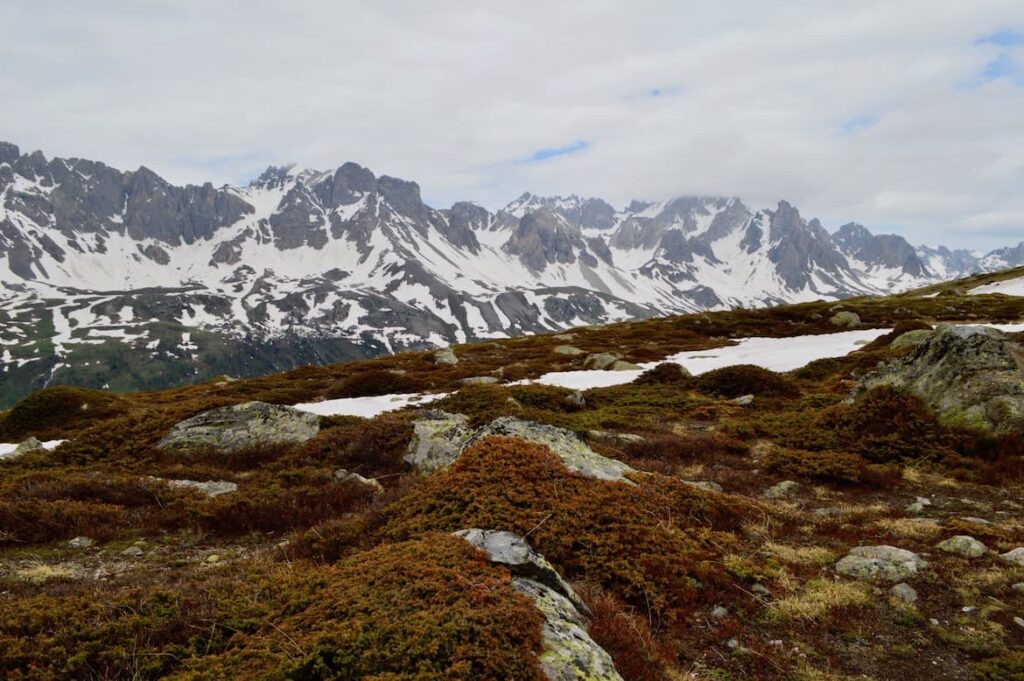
point(837, 519)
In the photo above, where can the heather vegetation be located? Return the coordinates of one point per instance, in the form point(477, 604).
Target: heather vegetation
point(715, 559)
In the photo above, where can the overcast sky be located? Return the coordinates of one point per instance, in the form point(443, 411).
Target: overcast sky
point(906, 115)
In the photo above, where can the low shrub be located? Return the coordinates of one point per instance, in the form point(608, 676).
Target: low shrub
point(827, 466)
point(374, 382)
point(52, 413)
point(666, 372)
point(745, 379)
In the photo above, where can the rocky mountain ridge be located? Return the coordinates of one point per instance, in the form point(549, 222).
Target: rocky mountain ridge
point(123, 279)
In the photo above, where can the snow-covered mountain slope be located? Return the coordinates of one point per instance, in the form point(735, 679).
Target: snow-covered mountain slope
point(121, 278)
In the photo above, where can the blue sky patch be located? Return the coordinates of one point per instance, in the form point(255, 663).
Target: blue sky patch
point(857, 123)
point(545, 154)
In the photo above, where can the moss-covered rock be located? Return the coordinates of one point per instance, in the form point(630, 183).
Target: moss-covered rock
point(251, 424)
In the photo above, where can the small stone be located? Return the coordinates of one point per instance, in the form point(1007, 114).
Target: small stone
point(624, 438)
point(783, 489)
point(1019, 586)
point(479, 380)
point(968, 608)
point(213, 558)
point(345, 476)
point(1019, 621)
point(576, 399)
point(211, 488)
point(976, 520)
point(914, 508)
point(963, 545)
point(719, 613)
point(904, 592)
point(565, 336)
point(760, 590)
point(743, 400)
point(709, 485)
point(733, 643)
point(1014, 557)
point(446, 357)
point(133, 551)
point(569, 350)
point(81, 543)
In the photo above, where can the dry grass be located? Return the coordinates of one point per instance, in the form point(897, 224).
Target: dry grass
point(819, 598)
point(40, 573)
point(908, 528)
point(801, 555)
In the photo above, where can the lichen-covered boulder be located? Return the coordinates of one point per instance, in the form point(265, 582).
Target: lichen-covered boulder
point(884, 563)
point(573, 452)
point(569, 653)
point(970, 375)
point(251, 424)
point(438, 438)
point(845, 319)
point(479, 380)
point(570, 350)
point(963, 545)
point(623, 365)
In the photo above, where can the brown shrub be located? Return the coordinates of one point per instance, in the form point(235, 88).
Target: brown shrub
point(651, 542)
point(52, 413)
point(625, 635)
point(666, 372)
point(374, 382)
point(828, 466)
point(745, 379)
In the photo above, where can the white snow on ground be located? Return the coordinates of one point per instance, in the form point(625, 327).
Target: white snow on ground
point(1010, 287)
point(777, 354)
point(7, 449)
point(367, 407)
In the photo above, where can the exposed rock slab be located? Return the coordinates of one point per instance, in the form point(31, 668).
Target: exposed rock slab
point(250, 424)
point(211, 488)
point(569, 654)
point(438, 438)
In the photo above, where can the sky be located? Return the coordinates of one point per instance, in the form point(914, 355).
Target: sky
point(906, 116)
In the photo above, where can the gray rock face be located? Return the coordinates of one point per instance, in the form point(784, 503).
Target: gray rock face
point(601, 360)
point(963, 545)
point(573, 452)
point(438, 439)
point(569, 653)
point(81, 543)
point(543, 237)
point(883, 250)
point(882, 563)
point(968, 374)
point(230, 429)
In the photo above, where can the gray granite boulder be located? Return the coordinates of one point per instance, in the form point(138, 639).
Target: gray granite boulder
point(438, 438)
point(229, 429)
point(883, 563)
point(963, 545)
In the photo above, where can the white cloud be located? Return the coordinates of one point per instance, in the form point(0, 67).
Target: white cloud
point(756, 98)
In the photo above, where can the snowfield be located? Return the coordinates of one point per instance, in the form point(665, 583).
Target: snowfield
point(368, 407)
point(1009, 287)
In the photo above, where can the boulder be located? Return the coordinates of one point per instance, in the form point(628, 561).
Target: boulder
point(573, 452)
point(437, 439)
point(601, 360)
point(569, 653)
point(570, 350)
point(347, 476)
point(845, 319)
point(743, 400)
point(445, 356)
point(963, 545)
point(970, 375)
point(28, 447)
point(622, 365)
point(229, 429)
point(576, 399)
point(1014, 557)
point(622, 438)
point(884, 563)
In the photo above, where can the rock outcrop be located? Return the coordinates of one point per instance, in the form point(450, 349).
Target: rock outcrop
point(439, 438)
point(569, 654)
point(970, 375)
point(251, 424)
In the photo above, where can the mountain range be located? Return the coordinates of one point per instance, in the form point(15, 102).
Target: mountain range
point(124, 280)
